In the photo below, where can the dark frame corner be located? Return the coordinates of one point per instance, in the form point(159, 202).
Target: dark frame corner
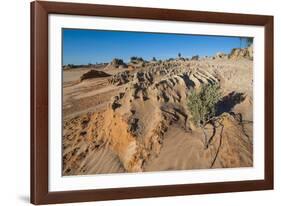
point(39, 102)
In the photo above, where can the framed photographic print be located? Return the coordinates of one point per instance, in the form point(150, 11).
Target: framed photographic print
point(131, 102)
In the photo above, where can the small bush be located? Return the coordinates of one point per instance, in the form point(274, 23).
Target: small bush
point(136, 59)
point(202, 105)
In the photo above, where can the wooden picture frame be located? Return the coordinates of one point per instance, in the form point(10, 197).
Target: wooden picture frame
point(40, 107)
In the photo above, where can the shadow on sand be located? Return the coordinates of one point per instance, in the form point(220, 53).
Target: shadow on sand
point(229, 101)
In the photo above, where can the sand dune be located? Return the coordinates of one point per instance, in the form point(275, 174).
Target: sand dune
point(136, 119)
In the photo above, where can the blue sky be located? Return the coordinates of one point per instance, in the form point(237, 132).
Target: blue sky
point(91, 46)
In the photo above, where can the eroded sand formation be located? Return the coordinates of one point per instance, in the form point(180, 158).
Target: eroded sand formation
point(135, 119)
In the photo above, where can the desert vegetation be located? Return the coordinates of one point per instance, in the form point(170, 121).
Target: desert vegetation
point(202, 106)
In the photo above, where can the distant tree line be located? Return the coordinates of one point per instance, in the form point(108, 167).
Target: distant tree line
point(89, 65)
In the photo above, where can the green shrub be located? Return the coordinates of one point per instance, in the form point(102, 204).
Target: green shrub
point(135, 59)
point(202, 105)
